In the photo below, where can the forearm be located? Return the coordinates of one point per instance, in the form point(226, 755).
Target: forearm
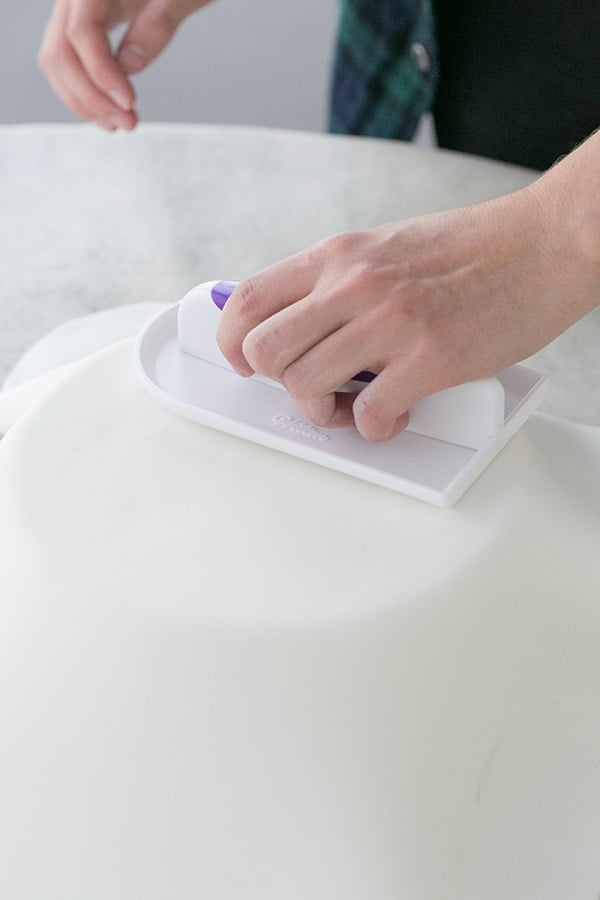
point(425, 304)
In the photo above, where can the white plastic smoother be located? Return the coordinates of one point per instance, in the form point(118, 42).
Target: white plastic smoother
point(451, 439)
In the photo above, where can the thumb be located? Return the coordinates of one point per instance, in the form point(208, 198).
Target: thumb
point(149, 33)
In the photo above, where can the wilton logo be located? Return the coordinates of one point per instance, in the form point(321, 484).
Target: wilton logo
point(298, 426)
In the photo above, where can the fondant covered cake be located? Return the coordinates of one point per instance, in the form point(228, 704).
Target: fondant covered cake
point(229, 673)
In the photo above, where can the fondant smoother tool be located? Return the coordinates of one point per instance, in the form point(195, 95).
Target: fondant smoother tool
point(451, 439)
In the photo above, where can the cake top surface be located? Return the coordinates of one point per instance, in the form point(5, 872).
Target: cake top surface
point(119, 495)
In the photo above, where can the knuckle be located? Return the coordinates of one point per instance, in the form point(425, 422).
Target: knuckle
point(49, 54)
point(361, 278)
point(404, 306)
point(75, 31)
point(345, 242)
point(344, 247)
point(305, 381)
point(298, 383)
point(316, 254)
point(319, 408)
point(162, 21)
point(429, 351)
point(247, 297)
point(324, 251)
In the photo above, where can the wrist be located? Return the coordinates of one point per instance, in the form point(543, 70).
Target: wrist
point(568, 199)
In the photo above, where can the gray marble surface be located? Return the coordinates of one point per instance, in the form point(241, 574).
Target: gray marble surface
point(89, 220)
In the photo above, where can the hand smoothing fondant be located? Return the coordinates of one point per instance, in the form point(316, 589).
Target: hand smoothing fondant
point(229, 673)
point(450, 439)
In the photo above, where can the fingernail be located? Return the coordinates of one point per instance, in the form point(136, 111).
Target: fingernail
point(107, 126)
point(120, 99)
point(132, 57)
point(117, 121)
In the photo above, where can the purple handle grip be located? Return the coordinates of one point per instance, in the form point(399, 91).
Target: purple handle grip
point(222, 291)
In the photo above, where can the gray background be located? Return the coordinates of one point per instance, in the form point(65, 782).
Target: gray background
point(262, 62)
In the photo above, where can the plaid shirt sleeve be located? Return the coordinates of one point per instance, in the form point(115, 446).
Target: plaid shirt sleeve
point(385, 69)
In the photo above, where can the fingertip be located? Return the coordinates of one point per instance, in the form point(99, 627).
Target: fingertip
point(241, 368)
point(401, 423)
point(93, 56)
point(332, 410)
point(105, 126)
point(236, 360)
point(382, 431)
point(130, 122)
point(249, 353)
point(245, 372)
point(117, 120)
point(124, 100)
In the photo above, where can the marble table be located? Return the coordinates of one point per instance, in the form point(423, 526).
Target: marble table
point(90, 221)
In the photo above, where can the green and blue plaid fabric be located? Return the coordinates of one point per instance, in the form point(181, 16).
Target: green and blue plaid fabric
point(385, 69)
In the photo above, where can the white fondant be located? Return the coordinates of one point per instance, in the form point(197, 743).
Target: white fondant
point(58, 354)
point(78, 338)
point(228, 673)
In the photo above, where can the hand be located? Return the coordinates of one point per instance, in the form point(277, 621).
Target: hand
point(426, 304)
point(77, 59)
